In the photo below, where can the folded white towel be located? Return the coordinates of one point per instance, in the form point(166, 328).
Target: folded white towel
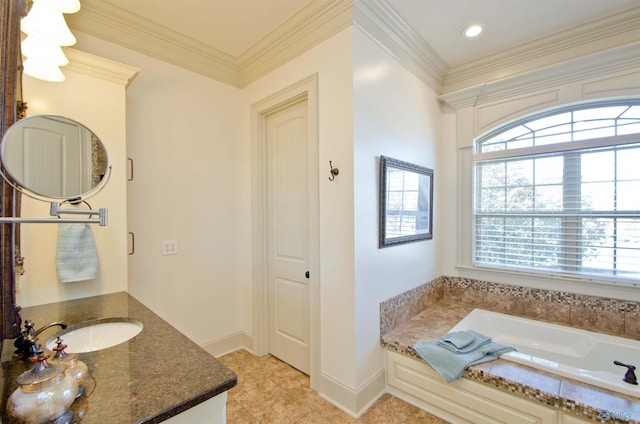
point(76, 254)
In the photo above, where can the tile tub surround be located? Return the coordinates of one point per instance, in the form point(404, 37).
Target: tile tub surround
point(154, 376)
point(599, 314)
point(450, 300)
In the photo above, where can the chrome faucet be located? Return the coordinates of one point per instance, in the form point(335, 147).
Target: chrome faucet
point(25, 343)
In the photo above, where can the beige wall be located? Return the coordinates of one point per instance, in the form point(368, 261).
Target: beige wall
point(100, 105)
point(396, 115)
point(191, 184)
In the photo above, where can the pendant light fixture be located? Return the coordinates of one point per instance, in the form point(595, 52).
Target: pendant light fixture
point(47, 32)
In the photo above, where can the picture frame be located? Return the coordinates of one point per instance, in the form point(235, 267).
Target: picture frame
point(406, 202)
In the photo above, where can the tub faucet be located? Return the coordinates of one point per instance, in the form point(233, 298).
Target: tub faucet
point(25, 343)
point(630, 375)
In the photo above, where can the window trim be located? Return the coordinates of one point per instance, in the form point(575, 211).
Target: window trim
point(506, 126)
point(564, 147)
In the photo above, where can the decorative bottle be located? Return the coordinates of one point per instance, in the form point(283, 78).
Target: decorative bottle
point(45, 393)
point(75, 367)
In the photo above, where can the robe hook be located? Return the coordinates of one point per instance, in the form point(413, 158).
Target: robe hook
point(334, 172)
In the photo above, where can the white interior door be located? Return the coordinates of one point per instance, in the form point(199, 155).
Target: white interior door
point(288, 234)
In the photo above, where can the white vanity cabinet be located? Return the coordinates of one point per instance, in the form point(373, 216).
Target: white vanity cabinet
point(464, 401)
point(212, 411)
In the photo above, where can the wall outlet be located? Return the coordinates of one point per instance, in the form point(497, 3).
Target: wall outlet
point(169, 247)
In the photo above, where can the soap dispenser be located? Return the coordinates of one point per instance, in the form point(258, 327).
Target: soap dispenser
point(45, 393)
point(75, 367)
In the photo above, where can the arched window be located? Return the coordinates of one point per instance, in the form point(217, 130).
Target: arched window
point(560, 193)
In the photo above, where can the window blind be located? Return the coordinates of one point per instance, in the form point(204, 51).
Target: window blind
point(571, 206)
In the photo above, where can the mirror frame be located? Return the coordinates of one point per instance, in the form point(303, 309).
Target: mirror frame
point(10, 13)
point(385, 239)
point(39, 193)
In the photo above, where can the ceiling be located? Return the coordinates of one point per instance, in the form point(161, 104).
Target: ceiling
point(233, 26)
point(241, 33)
point(507, 23)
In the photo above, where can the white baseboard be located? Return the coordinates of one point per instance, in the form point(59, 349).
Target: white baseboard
point(230, 343)
point(354, 402)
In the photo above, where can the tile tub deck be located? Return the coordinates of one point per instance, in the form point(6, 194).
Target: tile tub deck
point(570, 396)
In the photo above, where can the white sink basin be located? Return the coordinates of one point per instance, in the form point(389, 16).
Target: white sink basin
point(96, 335)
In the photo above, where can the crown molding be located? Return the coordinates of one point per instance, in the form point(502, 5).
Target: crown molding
point(582, 40)
point(383, 25)
point(314, 23)
point(99, 67)
point(321, 19)
point(612, 61)
point(308, 27)
point(103, 20)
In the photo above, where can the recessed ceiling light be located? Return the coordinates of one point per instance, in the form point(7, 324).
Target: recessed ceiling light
point(472, 31)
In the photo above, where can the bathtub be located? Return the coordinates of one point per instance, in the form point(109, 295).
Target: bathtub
point(577, 354)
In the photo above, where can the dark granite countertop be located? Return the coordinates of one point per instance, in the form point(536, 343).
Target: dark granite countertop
point(576, 398)
point(152, 377)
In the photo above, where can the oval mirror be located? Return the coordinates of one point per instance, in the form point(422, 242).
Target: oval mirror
point(53, 157)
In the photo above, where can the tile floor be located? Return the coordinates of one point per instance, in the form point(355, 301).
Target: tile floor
point(271, 391)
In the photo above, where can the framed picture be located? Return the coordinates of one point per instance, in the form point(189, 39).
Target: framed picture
point(406, 202)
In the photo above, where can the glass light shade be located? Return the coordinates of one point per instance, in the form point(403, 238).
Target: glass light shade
point(62, 6)
point(42, 70)
point(43, 51)
point(47, 24)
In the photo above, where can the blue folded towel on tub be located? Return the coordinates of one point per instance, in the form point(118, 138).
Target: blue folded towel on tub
point(454, 352)
point(463, 341)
